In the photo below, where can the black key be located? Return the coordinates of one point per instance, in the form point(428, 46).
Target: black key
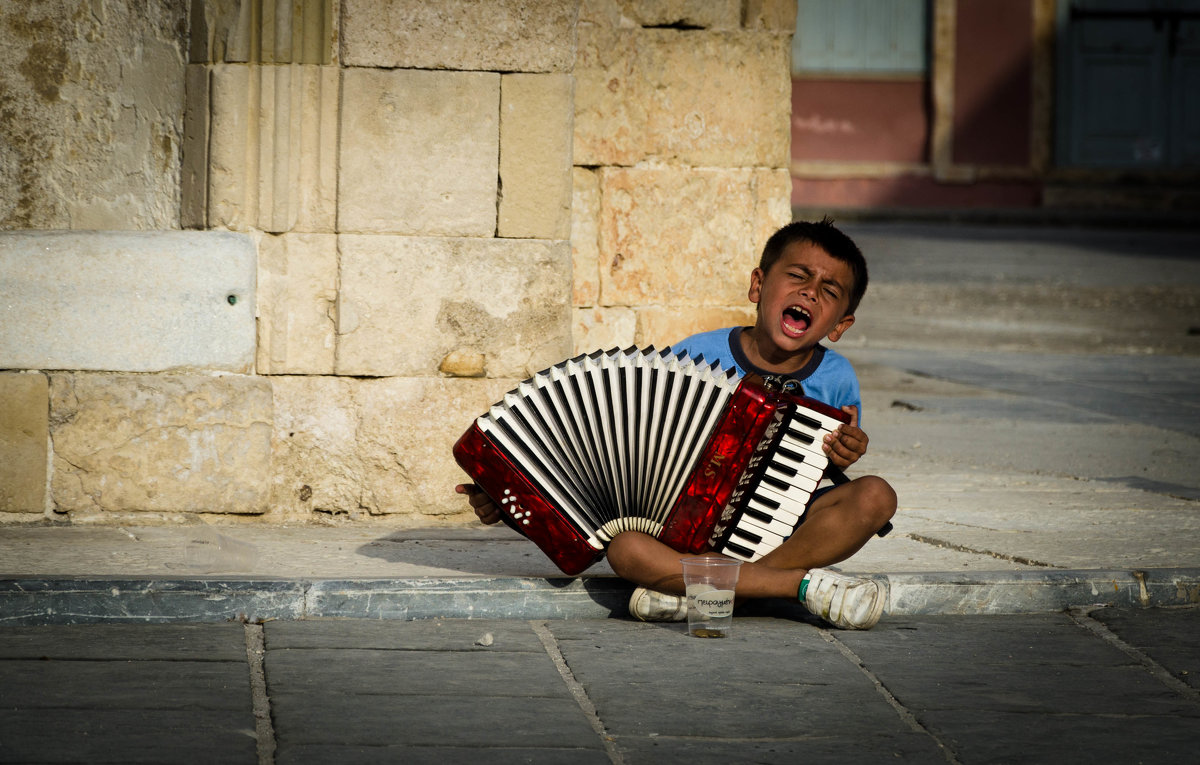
point(739, 549)
point(789, 454)
point(758, 515)
point(788, 471)
point(749, 535)
point(807, 422)
point(800, 435)
point(778, 484)
point(770, 503)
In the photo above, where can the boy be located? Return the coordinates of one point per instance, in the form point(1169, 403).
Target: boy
point(807, 286)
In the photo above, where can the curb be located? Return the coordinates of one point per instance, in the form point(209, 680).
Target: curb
point(91, 600)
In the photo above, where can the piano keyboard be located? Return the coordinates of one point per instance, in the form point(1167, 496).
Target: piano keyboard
point(777, 500)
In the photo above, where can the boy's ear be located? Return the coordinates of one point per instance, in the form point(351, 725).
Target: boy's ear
point(840, 328)
point(756, 279)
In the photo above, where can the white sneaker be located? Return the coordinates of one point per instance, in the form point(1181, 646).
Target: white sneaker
point(652, 606)
point(848, 602)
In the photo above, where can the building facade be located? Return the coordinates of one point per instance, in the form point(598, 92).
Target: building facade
point(1050, 105)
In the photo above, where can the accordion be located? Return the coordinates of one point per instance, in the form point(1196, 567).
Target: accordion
point(648, 441)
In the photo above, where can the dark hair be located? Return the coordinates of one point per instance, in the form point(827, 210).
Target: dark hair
point(830, 239)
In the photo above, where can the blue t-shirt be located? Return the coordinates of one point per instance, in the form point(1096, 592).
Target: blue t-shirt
point(828, 376)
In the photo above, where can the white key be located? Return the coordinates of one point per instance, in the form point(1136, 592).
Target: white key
point(785, 513)
point(795, 495)
point(777, 527)
point(758, 549)
point(798, 470)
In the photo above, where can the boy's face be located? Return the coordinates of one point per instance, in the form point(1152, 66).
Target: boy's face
point(802, 298)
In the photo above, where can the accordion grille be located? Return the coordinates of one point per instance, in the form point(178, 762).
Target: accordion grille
point(611, 437)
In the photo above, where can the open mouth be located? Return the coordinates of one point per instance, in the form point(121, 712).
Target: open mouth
point(796, 320)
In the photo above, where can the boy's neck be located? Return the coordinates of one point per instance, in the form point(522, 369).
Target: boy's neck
point(773, 359)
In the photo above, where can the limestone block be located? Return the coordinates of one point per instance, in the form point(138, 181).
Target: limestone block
point(351, 447)
point(493, 35)
point(408, 429)
point(585, 237)
point(297, 291)
point(686, 14)
point(660, 326)
point(24, 426)
point(127, 301)
point(160, 443)
point(599, 329)
point(273, 148)
point(264, 31)
point(685, 237)
point(535, 156)
point(406, 303)
point(315, 465)
point(93, 114)
point(419, 152)
point(719, 99)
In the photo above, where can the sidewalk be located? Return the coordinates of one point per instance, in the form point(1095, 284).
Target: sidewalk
point(1031, 393)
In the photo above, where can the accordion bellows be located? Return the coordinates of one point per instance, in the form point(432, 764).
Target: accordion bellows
point(644, 440)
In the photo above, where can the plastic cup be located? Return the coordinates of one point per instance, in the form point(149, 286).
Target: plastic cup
point(710, 581)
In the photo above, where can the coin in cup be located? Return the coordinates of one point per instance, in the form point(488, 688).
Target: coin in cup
point(710, 582)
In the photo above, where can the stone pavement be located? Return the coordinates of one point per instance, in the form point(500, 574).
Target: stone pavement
point(1107, 685)
point(1032, 396)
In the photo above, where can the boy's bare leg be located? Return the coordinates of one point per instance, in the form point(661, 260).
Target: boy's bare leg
point(838, 524)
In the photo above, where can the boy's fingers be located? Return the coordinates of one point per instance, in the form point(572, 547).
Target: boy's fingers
point(853, 412)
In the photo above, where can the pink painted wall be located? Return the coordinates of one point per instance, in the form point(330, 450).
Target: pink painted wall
point(860, 120)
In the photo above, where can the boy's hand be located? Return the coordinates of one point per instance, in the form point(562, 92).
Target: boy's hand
point(480, 503)
point(846, 444)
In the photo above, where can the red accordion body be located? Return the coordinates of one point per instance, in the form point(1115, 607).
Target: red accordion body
point(642, 440)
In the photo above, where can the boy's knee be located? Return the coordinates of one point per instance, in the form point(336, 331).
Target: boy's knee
point(877, 497)
point(623, 550)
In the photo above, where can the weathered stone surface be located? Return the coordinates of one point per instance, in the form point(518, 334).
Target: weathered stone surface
point(315, 467)
point(282, 32)
point(660, 327)
point(703, 98)
point(535, 156)
point(510, 36)
point(24, 425)
point(585, 237)
point(273, 148)
point(419, 152)
point(407, 302)
point(93, 114)
point(604, 328)
point(160, 443)
point(350, 447)
point(777, 15)
point(127, 301)
point(685, 237)
point(297, 291)
point(706, 14)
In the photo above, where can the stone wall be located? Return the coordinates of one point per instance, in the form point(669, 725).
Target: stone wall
point(438, 199)
point(681, 149)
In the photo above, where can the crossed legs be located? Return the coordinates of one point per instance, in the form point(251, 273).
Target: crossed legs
point(838, 523)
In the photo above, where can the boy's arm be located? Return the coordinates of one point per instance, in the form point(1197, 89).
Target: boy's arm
point(848, 443)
